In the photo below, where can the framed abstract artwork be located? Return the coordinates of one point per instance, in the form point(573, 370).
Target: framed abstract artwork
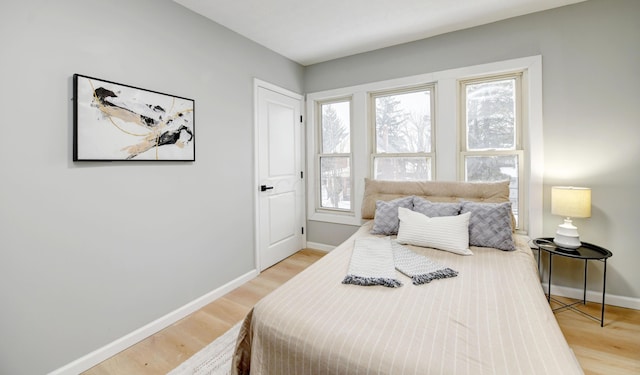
point(113, 121)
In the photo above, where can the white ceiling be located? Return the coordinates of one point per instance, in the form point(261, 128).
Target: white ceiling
point(312, 31)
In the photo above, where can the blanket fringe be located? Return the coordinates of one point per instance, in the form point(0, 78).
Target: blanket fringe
point(428, 277)
point(368, 281)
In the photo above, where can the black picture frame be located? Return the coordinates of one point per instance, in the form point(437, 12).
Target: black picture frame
point(118, 122)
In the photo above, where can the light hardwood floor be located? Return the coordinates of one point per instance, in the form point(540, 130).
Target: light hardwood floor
point(613, 349)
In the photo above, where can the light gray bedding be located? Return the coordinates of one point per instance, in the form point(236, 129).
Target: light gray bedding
point(492, 318)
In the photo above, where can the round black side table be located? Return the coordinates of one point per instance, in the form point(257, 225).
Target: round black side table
point(585, 252)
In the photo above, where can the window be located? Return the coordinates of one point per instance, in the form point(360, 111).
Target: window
point(492, 127)
point(403, 134)
point(335, 155)
point(465, 124)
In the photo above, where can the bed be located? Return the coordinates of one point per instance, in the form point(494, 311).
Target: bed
point(490, 318)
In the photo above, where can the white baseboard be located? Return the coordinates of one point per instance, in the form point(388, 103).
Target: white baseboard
point(86, 362)
point(320, 246)
point(594, 296)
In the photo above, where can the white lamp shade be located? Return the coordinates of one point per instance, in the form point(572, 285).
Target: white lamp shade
point(571, 201)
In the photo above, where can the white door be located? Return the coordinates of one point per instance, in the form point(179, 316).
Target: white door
point(280, 203)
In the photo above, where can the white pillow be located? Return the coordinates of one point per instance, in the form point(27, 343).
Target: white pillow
point(450, 233)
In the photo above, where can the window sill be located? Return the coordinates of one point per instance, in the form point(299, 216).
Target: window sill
point(336, 218)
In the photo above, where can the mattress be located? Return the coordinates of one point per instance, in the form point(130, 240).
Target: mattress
point(492, 318)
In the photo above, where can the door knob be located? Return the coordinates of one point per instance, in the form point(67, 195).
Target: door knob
point(265, 187)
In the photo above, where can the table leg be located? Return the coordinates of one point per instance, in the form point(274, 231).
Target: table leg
point(539, 255)
point(549, 286)
point(604, 285)
point(584, 289)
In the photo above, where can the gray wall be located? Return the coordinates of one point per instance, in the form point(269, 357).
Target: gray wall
point(90, 252)
point(591, 56)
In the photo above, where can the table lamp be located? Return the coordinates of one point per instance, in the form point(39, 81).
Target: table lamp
point(569, 201)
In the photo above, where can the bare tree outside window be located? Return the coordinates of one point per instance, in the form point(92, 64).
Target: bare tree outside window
point(491, 112)
point(403, 136)
point(335, 128)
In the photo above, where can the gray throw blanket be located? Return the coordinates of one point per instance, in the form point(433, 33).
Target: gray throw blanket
point(372, 263)
point(418, 267)
point(374, 260)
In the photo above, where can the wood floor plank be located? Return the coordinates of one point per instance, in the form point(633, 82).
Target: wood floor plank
point(611, 350)
point(227, 309)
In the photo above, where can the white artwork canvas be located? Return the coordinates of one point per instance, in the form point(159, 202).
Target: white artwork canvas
point(113, 121)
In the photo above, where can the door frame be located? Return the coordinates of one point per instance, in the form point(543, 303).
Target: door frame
point(257, 84)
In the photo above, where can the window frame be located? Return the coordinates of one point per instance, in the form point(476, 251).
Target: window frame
point(373, 139)
point(320, 154)
point(520, 125)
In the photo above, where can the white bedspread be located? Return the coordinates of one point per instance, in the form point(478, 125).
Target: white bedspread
point(493, 318)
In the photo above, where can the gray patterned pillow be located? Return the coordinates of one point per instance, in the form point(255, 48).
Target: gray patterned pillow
point(386, 219)
point(435, 209)
point(490, 224)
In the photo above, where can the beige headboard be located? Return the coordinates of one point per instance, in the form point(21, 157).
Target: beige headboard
point(435, 191)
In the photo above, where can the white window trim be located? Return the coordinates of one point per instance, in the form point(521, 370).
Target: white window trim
point(446, 131)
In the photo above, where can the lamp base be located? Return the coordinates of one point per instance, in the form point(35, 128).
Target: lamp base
point(567, 235)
